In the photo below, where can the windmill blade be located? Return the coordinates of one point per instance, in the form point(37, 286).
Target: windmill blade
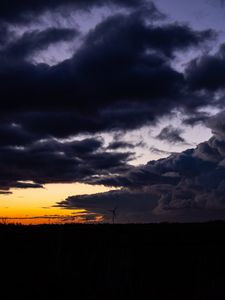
point(115, 210)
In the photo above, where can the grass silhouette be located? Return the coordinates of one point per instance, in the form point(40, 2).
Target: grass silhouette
point(152, 261)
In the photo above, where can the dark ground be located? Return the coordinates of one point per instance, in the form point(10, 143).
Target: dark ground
point(164, 261)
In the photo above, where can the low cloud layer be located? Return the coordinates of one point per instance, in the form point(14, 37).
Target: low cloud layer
point(186, 186)
point(171, 135)
point(52, 161)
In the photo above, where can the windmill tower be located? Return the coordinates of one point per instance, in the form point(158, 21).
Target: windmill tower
point(114, 214)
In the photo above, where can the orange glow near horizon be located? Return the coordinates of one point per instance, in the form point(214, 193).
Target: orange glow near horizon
point(35, 206)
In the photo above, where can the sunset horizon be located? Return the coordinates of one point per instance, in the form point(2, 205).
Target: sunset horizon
point(112, 149)
point(112, 104)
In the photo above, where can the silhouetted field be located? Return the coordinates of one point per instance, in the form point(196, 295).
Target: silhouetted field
point(161, 261)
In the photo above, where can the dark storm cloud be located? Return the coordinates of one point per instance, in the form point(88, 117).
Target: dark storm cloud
point(81, 147)
point(4, 34)
point(158, 151)
point(51, 161)
point(121, 72)
point(14, 135)
point(6, 185)
point(25, 185)
point(63, 124)
point(33, 41)
point(137, 177)
point(122, 77)
point(128, 204)
point(196, 118)
point(208, 72)
point(25, 10)
point(5, 193)
point(120, 145)
point(117, 144)
point(133, 30)
point(171, 134)
point(186, 186)
point(217, 125)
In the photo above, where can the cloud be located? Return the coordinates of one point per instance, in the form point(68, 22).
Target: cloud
point(14, 135)
point(158, 151)
point(4, 34)
point(122, 71)
point(5, 193)
point(121, 78)
point(117, 144)
point(78, 217)
point(185, 186)
point(25, 10)
point(207, 72)
point(51, 161)
point(217, 125)
point(171, 135)
point(6, 184)
point(196, 118)
point(33, 41)
point(129, 204)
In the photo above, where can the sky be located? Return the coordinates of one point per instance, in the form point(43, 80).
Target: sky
point(112, 105)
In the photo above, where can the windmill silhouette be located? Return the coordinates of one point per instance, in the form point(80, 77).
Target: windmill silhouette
point(114, 214)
